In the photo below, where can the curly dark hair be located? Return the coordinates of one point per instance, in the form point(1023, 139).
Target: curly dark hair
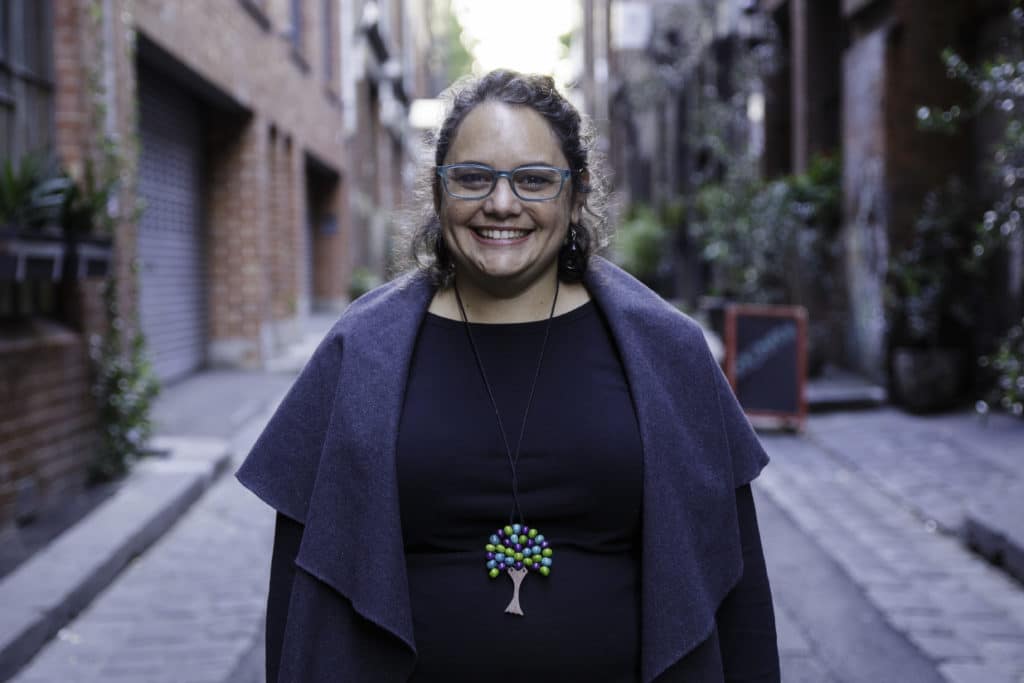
point(425, 245)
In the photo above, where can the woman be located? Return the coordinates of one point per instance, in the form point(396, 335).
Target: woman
point(517, 460)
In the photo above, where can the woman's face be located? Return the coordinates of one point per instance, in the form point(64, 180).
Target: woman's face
point(526, 252)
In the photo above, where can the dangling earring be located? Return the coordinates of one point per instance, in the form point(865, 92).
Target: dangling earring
point(570, 256)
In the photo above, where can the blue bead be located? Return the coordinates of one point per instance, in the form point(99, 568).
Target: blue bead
point(514, 538)
point(517, 528)
point(500, 557)
point(528, 552)
point(494, 539)
point(540, 538)
point(546, 561)
point(492, 564)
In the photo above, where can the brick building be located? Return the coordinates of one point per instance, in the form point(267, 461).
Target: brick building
point(263, 143)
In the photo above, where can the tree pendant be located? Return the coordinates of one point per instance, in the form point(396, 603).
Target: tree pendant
point(518, 550)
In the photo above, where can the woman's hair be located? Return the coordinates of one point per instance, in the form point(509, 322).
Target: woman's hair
point(425, 245)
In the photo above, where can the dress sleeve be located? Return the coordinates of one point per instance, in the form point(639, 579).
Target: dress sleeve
point(746, 619)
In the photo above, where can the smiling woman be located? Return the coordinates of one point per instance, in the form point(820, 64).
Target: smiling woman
point(513, 381)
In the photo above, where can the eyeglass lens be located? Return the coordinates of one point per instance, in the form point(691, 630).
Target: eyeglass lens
point(475, 182)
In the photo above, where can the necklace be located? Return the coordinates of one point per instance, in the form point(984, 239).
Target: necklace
point(515, 548)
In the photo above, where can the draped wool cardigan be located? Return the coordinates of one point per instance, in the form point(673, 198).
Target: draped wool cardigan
point(327, 460)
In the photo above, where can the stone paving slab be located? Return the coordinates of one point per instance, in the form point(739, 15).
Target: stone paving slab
point(959, 472)
point(45, 592)
point(961, 613)
point(828, 630)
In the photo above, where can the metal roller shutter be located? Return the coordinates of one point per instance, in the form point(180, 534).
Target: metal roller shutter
point(172, 259)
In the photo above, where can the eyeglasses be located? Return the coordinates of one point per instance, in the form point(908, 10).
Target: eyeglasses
point(537, 183)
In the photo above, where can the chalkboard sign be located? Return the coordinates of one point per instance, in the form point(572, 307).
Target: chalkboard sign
point(766, 360)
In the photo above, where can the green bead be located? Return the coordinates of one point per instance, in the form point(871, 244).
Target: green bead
point(508, 531)
point(533, 533)
point(543, 570)
point(547, 552)
point(489, 547)
point(519, 557)
point(494, 572)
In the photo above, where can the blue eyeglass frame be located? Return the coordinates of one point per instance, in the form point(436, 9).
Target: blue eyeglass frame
point(442, 171)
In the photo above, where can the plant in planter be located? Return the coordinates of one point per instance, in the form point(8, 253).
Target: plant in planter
point(1008, 364)
point(930, 298)
point(50, 225)
point(773, 243)
point(640, 244)
point(31, 245)
point(87, 223)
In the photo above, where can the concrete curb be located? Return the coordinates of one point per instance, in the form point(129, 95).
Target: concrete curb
point(47, 591)
point(995, 532)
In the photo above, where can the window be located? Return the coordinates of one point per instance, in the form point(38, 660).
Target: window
point(26, 77)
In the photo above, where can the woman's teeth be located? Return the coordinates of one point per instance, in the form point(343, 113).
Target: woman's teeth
point(502, 234)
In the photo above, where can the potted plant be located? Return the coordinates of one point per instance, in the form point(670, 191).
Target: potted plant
point(52, 227)
point(31, 242)
point(930, 300)
point(85, 218)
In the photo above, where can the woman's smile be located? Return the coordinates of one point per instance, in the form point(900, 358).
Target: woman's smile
point(501, 236)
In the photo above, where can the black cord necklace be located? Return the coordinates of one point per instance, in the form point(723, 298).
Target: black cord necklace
point(516, 548)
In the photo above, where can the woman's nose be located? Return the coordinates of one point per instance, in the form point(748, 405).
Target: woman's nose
point(503, 200)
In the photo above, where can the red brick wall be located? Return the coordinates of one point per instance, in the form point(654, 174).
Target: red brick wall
point(256, 203)
point(48, 433)
point(49, 430)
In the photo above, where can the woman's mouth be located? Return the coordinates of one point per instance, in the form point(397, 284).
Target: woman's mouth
point(504, 235)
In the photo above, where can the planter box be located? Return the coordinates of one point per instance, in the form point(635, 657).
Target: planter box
point(37, 255)
point(47, 254)
point(927, 380)
point(90, 258)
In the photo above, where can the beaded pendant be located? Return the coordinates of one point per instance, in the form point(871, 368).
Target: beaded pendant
point(518, 550)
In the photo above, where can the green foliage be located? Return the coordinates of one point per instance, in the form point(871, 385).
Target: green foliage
point(86, 204)
point(125, 387)
point(932, 281)
point(26, 192)
point(996, 86)
point(458, 57)
point(771, 242)
point(363, 280)
point(640, 242)
point(33, 194)
point(1008, 364)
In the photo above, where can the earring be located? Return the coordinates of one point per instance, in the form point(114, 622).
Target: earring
point(571, 256)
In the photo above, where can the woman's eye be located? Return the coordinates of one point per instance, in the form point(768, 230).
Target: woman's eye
point(534, 181)
point(474, 179)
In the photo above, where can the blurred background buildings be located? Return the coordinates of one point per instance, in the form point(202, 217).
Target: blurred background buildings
point(239, 164)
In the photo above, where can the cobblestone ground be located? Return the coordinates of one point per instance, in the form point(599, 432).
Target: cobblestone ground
point(961, 613)
point(188, 610)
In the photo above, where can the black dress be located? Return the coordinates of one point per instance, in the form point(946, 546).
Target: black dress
point(580, 483)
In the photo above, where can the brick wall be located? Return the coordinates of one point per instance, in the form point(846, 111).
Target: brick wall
point(48, 433)
point(49, 427)
point(256, 203)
